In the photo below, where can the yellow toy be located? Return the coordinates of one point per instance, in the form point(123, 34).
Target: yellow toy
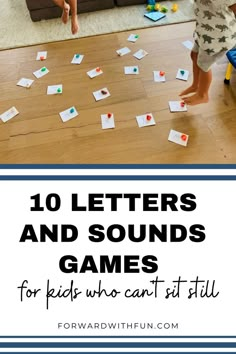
point(231, 55)
point(174, 7)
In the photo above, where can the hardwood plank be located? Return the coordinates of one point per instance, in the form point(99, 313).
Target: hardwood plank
point(37, 134)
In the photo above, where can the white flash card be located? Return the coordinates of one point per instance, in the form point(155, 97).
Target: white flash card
point(177, 106)
point(159, 76)
point(68, 114)
point(182, 74)
point(108, 121)
point(54, 90)
point(41, 72)
point(11, 113)
point(94, 72)
point(133, 37)
point(25, 82)
point(140, 54)
point(178, 138)
point(41, 56)
point(77, 59)
point(131, 70)
point(188, 44)
point(123, 51)
point(101, 94)
point(145, 120)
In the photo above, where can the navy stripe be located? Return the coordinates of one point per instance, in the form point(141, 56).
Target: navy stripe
point(195, 352)
point(115, 178)
point(146, 345)
point(133, 337)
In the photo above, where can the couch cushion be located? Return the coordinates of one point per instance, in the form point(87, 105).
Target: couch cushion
point(46, 9)
point(129, 2)
point(94, 5)
point(83, 5)
point(39, 4)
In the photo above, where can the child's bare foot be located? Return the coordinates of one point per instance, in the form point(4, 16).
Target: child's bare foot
point(190, 89)
point(195, 99)
point(65, 13)
point(74, 24)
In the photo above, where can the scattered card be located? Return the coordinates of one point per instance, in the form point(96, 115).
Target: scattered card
point(101, 94)
point(159, 76)
point(54, 90)
point(131, 70)
point(178, 138)
point(41, 72)
point(123, 51)
point(182, 74)
point(133, 37)
point(11, 113)
point(25, 82)
point(177, 106)
point(140, 54)
point(68, 114)
point(108, 121)
point(188, 44)
point(94, 72)
point(77, 59)
point(145, 120)
point(41, 56)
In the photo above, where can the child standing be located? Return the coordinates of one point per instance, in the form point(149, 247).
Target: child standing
point(214, 35)
point(66, 7)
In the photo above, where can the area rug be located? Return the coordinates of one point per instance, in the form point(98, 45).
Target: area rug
point(18, 30)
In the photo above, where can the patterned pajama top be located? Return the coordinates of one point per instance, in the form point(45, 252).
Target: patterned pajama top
point(215, 25)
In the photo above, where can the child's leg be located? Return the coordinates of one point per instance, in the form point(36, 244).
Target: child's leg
point(194, 86)
point(66, 9)
point(74, 18)
point(201, 96)
point(204, 63)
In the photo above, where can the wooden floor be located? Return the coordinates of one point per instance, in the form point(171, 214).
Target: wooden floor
point(37, 134)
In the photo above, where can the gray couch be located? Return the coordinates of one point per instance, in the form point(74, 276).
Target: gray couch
point(46, 9)
point(129, 2)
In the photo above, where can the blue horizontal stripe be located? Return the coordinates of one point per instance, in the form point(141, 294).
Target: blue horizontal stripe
point(195, 352)
point(115, 178)
point(99, 345)
point(133, 337)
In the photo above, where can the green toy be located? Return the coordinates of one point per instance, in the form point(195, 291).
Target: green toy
point(152, 6)
point(164, 9)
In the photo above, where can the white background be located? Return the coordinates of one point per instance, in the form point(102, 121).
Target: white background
point(213, 259)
